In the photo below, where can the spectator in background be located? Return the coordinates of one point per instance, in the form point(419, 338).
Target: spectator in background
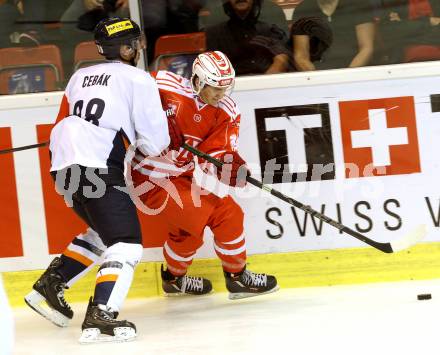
point(411, 30)
point(183, 15)
point(80, 19)
point(213, 14)
point(10, 11)
point(154, 14)
point(253, 46)
point(170, 17)
point(39, 22)
point(87, 13)
point(319, 36)
point(28, 22)
point(351, 22)
point(163, 17)
point(39, 14)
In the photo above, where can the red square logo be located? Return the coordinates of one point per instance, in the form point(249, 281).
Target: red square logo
point(379, 136)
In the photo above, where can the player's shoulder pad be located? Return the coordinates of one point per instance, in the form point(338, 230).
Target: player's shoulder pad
point(170, 77)
point(134, 73)
point(169, 81)
point(228, 105)
point(142, 78)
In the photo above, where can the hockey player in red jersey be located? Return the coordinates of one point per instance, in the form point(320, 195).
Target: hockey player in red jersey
point(209, 120)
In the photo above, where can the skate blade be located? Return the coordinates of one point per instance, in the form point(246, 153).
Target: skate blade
point(93, 335)
point(181, 294)
point(240, 295)
point(34, 300)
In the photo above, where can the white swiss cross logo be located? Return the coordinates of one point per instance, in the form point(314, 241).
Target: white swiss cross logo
point(380, 133)
point(379, 137)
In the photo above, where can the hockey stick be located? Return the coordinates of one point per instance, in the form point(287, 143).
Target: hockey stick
point(407, 241)
point(25, 147)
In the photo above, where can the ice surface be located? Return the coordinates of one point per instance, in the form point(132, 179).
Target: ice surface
point(371, 319)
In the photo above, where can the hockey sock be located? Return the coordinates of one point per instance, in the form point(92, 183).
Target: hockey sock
point(80, 256)
point(116, 274)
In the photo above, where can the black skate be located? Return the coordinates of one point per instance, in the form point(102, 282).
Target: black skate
point(181, 285)
point(100, 325)
point(50, 288)
point(249, 284)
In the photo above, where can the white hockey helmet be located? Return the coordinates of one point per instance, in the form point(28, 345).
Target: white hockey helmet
point(213, 69)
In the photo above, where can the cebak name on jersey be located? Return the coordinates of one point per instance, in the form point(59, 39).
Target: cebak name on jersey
point(213, 129)
point(103, 104)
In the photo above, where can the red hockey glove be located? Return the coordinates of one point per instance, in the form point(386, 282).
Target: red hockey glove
point(176, 136)
point(234, 170)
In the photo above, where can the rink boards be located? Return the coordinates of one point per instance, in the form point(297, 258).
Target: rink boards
point(359, 146)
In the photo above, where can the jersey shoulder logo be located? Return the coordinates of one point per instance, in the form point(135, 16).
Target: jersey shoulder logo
point(172, 107)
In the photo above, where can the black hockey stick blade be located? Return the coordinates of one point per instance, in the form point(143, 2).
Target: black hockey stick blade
point(407, 241)
point(25, 147)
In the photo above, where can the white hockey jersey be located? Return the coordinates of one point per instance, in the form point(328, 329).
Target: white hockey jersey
point(101, 105)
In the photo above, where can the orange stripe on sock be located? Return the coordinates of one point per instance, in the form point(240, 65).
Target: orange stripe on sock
point(106, 278)
point(78, 257)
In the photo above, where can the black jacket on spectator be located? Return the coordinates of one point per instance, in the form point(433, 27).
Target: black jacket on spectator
point(249, 43)
point(213, 14)
point(343, 22)
point(319, 31)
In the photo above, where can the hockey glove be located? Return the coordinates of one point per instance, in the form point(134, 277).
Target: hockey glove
point(176, 136)
point(233, 171)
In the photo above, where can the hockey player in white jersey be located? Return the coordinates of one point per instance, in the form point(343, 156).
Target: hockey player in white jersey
point(103, 105)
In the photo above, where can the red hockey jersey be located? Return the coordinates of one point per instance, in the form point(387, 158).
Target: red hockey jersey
point(212, 129)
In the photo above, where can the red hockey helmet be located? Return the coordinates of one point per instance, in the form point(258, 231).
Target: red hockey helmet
point(213, 69)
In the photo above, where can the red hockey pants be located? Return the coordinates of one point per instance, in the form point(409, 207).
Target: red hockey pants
point(186, 225)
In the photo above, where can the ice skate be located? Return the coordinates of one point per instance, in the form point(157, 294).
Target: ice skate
point(181, 285)
point(100, 325)
point(47, 296)
point(249, 284)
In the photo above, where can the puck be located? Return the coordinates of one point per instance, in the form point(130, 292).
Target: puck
point(424, 296)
